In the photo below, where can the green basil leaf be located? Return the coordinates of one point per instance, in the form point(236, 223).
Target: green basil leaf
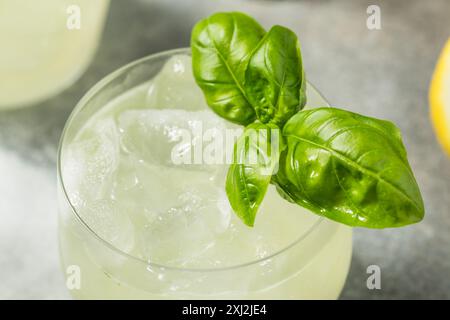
point(256, 156)
point(221, 48)
point(275, 78)
point(349, 168)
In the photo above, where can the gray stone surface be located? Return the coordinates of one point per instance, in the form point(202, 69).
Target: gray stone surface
point(382, 73)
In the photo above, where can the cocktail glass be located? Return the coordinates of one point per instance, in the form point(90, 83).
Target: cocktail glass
point(46, 46)
point(101, 263)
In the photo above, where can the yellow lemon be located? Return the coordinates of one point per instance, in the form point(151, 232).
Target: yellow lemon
point(440, 98)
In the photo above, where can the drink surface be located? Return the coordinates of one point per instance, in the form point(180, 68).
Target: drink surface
point(120, 177)
point(40, 53)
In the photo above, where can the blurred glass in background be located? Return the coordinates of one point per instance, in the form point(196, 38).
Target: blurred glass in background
point(45, 46)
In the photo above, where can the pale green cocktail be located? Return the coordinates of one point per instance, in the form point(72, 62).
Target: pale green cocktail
point(46, 45)
point(137, 225)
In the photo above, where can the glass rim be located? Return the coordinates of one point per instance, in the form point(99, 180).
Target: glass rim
point(60, 180)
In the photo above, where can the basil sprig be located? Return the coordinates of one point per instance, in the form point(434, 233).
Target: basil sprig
point(344, 166)
point(256, 156)
point(246, 73)
point(349, 168)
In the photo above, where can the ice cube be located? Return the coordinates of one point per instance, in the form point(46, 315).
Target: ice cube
point(177, 213)
point(175, 88)
point(110, 223)
point(90, 162)
point(173, 137)
point(89, 172)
